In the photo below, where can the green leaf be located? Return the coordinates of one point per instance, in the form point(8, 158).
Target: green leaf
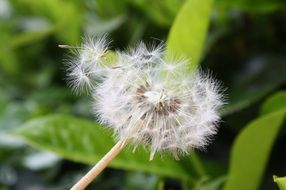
point(274, 103)
point(281, 182)
point(251, 149)
point(189, 30)
point(87, 142)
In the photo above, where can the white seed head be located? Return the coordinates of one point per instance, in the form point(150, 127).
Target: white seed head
point(151, 100)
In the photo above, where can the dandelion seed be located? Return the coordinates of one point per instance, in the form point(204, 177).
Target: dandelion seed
point(141, 56)
point(147, 100)
point(84, 66)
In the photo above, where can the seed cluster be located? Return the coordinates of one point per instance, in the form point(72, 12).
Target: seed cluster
point(143, 96)
point(163, 106)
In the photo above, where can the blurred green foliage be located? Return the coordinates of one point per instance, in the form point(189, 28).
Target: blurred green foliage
point(244, 46)
point(255, 141)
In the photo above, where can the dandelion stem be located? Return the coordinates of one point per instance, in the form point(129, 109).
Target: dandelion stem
point(97, 169)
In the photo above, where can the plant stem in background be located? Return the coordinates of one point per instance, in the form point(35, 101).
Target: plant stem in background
point(97, 169)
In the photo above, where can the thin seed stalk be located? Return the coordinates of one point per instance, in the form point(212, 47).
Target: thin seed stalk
point(99, 167)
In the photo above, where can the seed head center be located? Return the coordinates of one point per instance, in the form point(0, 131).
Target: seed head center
point(155, 97)
point(161, 103)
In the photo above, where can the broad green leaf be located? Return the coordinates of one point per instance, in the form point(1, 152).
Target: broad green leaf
point(189, 30)
point(281, 182)
point(86, 141)
point(274, 103)
point(251, 150)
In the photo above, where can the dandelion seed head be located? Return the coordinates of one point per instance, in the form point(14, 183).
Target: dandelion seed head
point(156, 110)
point(149, 99)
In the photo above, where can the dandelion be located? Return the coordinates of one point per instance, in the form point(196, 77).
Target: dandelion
point(148, 100)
